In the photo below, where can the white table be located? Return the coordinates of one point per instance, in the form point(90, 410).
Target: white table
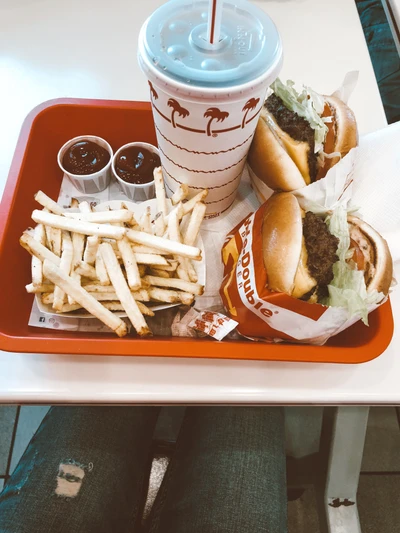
point(50, 49)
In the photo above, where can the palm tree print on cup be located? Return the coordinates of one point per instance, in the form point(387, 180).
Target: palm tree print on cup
point(153, 91)
point(177, 108)
point(213, 113)
point(249, 106)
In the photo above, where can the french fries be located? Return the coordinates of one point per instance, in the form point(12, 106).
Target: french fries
point(190, 204)
point(164, 244)
point(145, 221)
point(172, 266)
point(111, 306)
point(106, 261)
point(78, 226)
point(151, 259)
point(164, 295)
point(160, 273)
point(69, 286)
point(176, 283)
point(175, 235)
point(53, 236)
point(141, 295)
point(101, 270)
point(139, 248)
point(38, 289)
point(92, 244)
point(180, 194)
point(86, 270)
point(122, 290)
point(107, 296)
point(117, 306)
point(191, 234)
point(101, 217)
point(160, 191)
point(193, 228)
point(159, 224)
point(48, 203)
point(142, 271)
point(65, 266)
point(130, 263)
point(36, 265)
point(78, 245)
point(34, 247)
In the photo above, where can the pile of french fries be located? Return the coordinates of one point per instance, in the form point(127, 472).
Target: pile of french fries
point(111, 261)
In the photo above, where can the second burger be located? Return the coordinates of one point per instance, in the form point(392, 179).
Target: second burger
point(299, 137)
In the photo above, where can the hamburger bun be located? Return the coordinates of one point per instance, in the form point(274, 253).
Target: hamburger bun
point(281, 162)
point(282, 237)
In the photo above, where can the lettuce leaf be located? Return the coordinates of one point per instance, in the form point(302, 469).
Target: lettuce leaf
point(348, 288)
point(307, 104)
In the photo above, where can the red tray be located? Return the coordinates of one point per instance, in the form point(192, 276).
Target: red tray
point(34, 167)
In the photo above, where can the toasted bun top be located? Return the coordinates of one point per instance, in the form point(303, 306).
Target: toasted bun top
point(269, 159)
point(282, 237)
point(378, 260)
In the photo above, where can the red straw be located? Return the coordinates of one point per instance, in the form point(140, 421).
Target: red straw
point(214, 20)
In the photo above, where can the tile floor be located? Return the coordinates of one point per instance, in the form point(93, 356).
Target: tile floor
point(379, 484)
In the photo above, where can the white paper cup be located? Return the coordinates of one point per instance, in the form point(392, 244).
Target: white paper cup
point(138, 192)
point(202, 151)
point(90, 183)
point(206, 99)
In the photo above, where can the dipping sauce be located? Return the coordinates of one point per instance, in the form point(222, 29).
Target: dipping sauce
point(84, 158)
point(136, 165)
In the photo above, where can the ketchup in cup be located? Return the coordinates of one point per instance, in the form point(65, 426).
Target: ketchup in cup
point(86, 162)
point(136, 164)
point(133, 168)
point(85, 157)
point(208, 66)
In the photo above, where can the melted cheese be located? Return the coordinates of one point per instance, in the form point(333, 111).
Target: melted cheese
point(297, 150)
point(303, 282)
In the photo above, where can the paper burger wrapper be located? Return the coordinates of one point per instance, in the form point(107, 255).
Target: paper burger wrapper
point(262, 314)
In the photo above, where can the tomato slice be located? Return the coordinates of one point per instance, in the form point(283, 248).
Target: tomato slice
point(358, 256)
point(329, 144)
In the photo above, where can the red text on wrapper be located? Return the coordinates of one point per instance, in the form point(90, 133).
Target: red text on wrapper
point(214, 324)
point(245, 272)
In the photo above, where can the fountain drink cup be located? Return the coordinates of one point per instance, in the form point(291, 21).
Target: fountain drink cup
point(206, 98)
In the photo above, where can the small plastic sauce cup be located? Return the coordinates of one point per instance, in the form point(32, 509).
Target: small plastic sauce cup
point(89, 183)
point(138, 192)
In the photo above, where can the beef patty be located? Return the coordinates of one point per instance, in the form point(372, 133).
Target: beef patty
point(297, 127)
point(321, 248)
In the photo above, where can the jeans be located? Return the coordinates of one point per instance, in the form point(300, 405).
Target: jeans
point(86, 470)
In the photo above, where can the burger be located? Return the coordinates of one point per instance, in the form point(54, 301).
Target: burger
point(299, 137)
point(338, 260)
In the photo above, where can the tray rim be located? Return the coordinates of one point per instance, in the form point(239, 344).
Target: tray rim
point(190, 348)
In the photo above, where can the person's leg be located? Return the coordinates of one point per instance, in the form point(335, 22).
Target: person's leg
point(227, 475)
point(83, 472)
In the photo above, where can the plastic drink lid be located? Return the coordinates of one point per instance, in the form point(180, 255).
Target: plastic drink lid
point(174, 40)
